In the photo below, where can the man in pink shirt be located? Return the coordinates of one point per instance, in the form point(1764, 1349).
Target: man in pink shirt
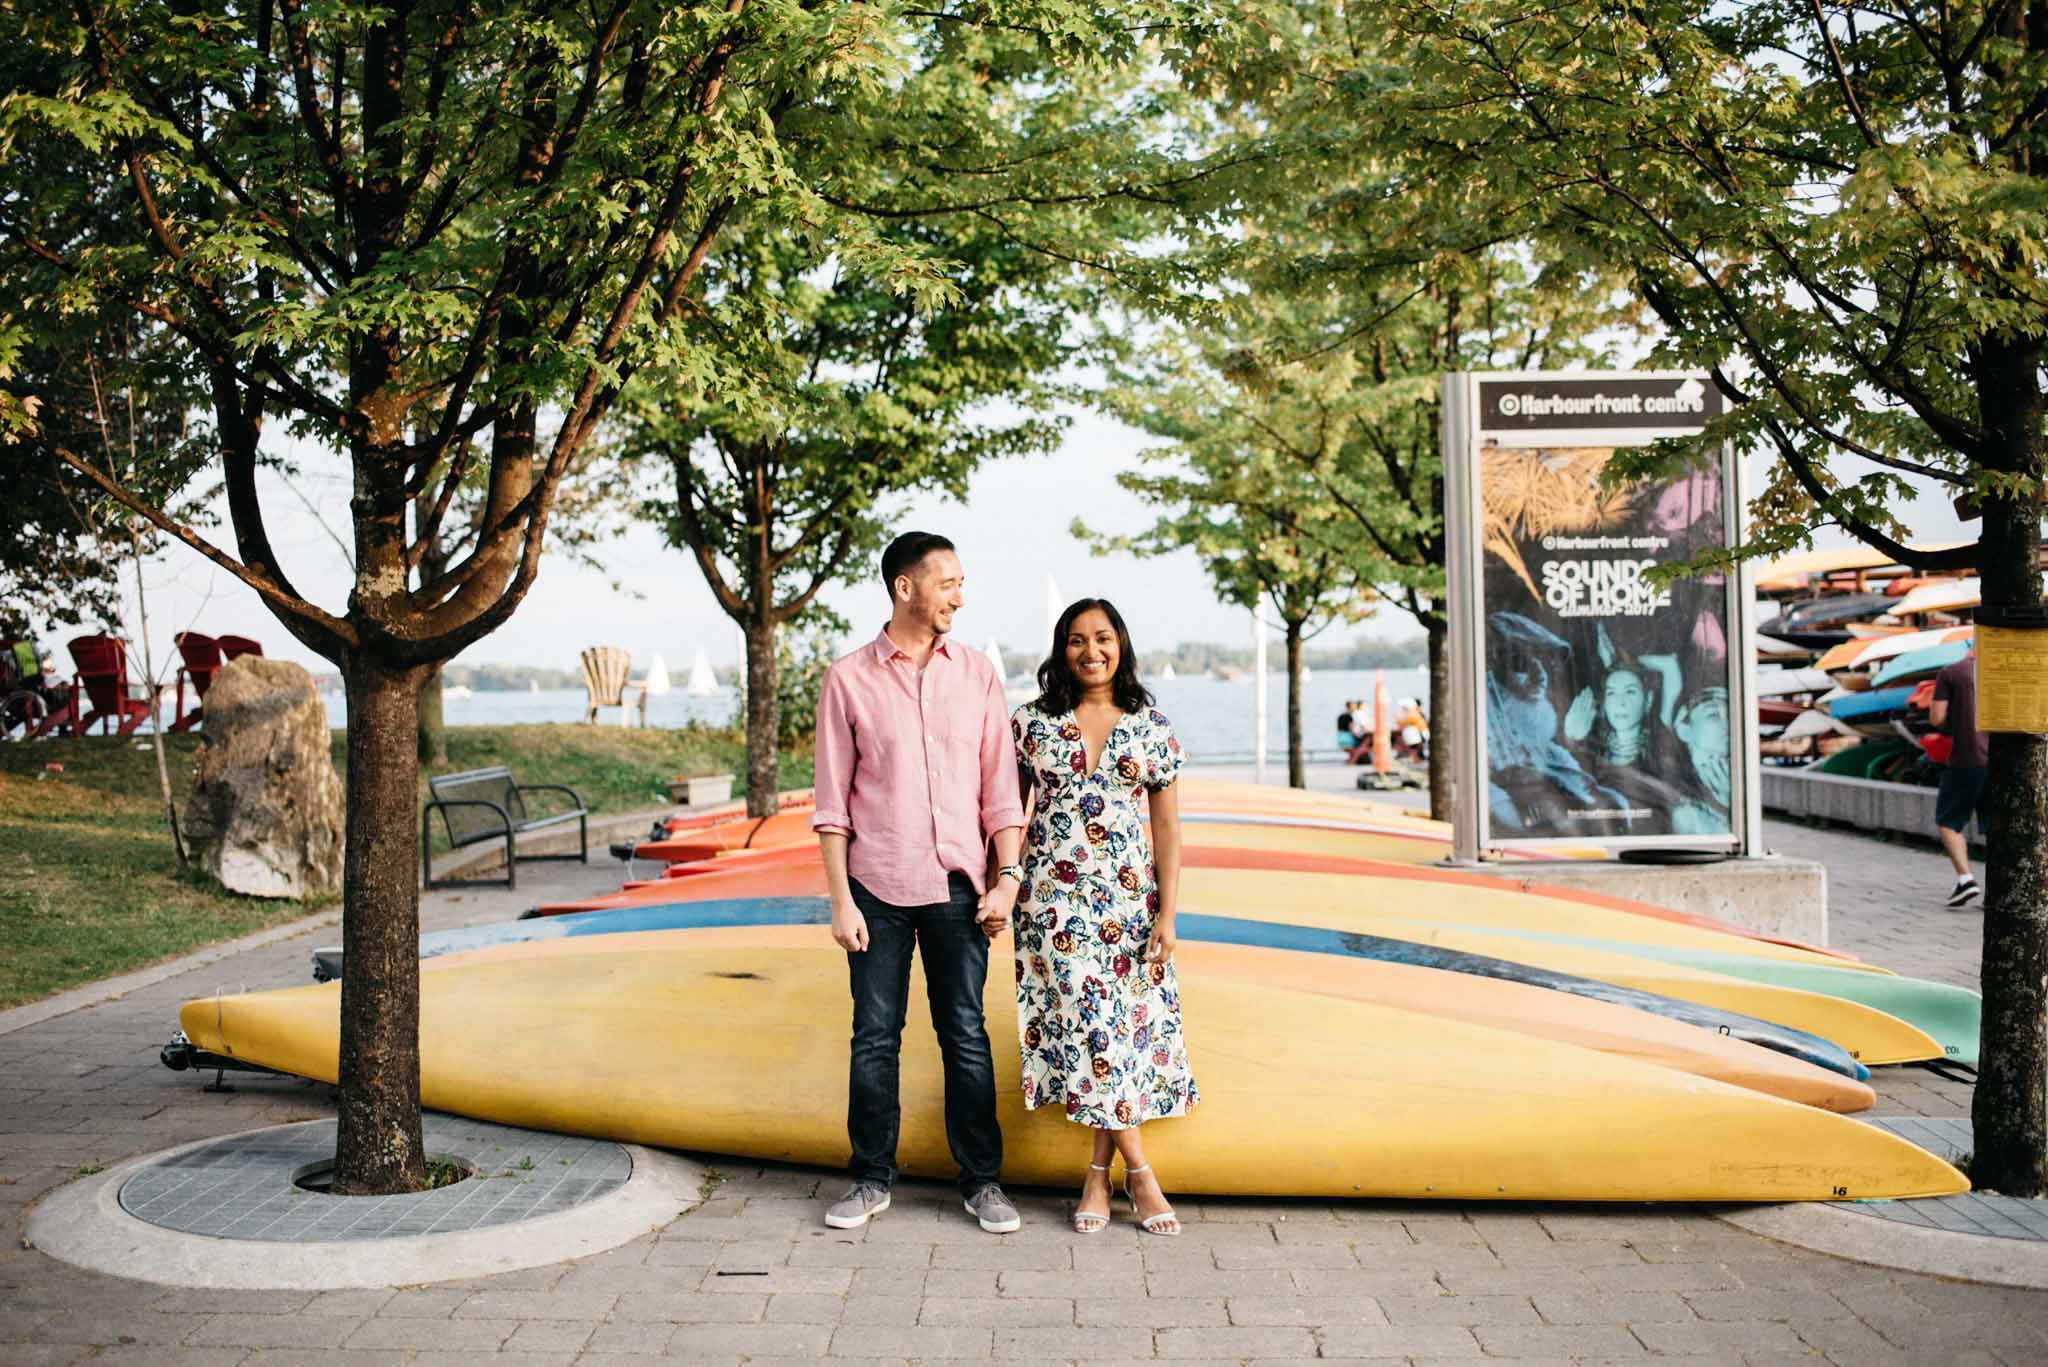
point(915, 780)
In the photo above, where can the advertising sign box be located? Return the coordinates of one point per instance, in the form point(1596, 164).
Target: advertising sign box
point(1597, 705)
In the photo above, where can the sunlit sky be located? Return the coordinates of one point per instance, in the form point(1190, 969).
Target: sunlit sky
point(1013, 531)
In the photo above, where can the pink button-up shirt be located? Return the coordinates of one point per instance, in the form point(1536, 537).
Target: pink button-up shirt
point(915, 767)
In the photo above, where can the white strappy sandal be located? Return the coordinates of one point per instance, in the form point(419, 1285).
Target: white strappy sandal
point(1151, 1224)
point(1090, 1221)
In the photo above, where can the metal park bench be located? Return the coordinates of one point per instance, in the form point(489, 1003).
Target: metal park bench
point(486, 804)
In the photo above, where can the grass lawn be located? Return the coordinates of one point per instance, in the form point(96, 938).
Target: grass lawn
point(89, 887)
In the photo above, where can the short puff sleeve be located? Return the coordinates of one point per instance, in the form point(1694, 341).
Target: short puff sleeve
point(1162, 757)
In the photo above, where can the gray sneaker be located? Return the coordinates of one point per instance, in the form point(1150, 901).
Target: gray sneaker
point(994, 1210)
point(863, 1202)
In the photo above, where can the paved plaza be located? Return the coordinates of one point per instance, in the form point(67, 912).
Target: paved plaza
point(751, 1276)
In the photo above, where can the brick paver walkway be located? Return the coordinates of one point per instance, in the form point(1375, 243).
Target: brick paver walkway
point(752, 1277)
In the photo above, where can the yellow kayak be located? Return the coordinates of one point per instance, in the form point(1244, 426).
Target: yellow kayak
point(1472, 903)
point(742, 1050)
point(1502, 1005)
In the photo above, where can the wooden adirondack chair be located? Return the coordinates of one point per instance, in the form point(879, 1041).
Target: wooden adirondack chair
point(604, 677)
point(102, 680)
point(202, 660)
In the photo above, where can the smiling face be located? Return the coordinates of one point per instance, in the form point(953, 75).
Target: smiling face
point(1091, 649)
point(930, 593)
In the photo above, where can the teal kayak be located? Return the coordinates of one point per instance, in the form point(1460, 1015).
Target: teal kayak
point(1952, 1015)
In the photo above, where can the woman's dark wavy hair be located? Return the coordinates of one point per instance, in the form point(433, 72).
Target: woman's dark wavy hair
point(1059, 692)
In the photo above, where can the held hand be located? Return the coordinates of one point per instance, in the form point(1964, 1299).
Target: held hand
point(993, 913)
point(849, 927)
point(1159, 948)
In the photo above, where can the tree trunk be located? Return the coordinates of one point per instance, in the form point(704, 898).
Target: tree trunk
point(2010, 1109)
point(1297, 772)
point(378, 1149)
point(433, 731)
point(1439, 720)
point(764, 720)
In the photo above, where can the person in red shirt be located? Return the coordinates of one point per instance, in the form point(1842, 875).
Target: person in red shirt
point(915, 781)
point(1957, 800)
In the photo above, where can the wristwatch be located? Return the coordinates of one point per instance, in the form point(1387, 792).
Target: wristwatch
point(1015, 871)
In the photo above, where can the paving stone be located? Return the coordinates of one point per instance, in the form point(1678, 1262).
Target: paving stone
point(157, 1355)
point(1397, 1340)
point(799, 1308)
point(525, 1305)
point(1004, 1310)
point(328, 1357)
point(469, 1336)
point(510, 1357)
point(689, 1307)
point(1305, 1310)
point(1681, 1277)
point(733, 1280)
point(1052, 1343)
point(1466, 1310)
point(1755, 1304)
point(1720, 1336)
point(1558, 1340)
point(1364, 1283)
point(1202, 1285)
point(549, 1336)
point(872, 1309)
point(1148, 1312)
point(1619, 1307)
point(283, 1331)
point(645, 1337)
point(750, 1340)
point(427, 1304)
point(838, 1254)
point(358, 1304)
point(914, 1340)
point(1309, 1257)
point(1236, 1341)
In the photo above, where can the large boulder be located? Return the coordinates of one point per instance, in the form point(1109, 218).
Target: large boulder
point(266, 813)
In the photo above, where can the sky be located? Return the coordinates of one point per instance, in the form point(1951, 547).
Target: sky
point(1013, 530)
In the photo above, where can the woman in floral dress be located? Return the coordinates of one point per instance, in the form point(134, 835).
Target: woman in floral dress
point(1098, 1009)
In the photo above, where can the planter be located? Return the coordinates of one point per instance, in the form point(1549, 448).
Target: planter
point(707, 790)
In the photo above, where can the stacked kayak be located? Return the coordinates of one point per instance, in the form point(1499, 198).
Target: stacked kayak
point(1413, 1031)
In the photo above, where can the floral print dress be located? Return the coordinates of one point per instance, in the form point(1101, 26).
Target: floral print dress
point(1099, 1028)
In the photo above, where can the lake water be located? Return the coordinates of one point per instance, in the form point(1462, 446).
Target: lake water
point(1213, 717)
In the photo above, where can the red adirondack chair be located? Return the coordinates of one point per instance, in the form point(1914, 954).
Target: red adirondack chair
point(235, 647)
point(103, 680)
point(202, 660)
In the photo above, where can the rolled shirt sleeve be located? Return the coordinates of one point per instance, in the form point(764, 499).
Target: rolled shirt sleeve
point(834, 758)
point(1001, 806)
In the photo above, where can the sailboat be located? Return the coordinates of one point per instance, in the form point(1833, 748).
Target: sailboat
point(533, 685)
point(995, 657)
point(1054, 605)
point(703, 683)
point(657, 676)
point(1166, 670)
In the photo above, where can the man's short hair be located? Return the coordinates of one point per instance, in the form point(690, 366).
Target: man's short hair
point(906, 553)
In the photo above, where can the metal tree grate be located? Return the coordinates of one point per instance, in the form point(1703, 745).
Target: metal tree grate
point(244, 1187)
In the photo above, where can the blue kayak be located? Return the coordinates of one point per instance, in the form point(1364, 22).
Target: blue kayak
point(1868, 706)
point(808, 911)
point(1915, 665)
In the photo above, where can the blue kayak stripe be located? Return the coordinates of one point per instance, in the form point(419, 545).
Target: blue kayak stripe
point(808, 911)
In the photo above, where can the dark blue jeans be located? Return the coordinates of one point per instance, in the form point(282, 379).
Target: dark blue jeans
point(955, 955)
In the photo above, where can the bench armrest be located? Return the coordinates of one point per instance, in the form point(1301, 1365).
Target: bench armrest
point(524, 788)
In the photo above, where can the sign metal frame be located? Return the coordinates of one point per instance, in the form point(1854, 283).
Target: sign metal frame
point(1463, 434)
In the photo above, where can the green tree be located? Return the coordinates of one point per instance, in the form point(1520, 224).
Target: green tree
point(365, 225)
point(849, 391)
point(1255, 520)
point(1840, 211)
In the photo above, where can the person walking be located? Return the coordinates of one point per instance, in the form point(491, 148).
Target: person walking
point(1098, 1005)
point(914, 782)
point(1961, 793)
